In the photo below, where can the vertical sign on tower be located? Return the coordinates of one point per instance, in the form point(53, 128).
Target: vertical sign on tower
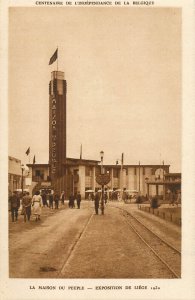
point(57, 129)
point(54, 137)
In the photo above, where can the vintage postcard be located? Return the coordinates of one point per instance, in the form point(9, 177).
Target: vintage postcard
point(97, 150)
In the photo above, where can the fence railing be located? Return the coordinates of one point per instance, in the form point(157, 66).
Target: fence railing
point(166, 215)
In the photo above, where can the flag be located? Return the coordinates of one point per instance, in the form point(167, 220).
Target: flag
point(81, 152)
point(34, 160)
point(54, 57)
point(28, 151)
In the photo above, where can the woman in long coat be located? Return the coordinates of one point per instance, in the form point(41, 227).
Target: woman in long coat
point(37, 205)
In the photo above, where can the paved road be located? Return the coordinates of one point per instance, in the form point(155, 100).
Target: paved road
point(57, 247)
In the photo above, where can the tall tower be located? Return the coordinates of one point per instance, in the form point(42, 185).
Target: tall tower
point(57, 130)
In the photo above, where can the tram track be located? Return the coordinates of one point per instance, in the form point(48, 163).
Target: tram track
point(165, 252)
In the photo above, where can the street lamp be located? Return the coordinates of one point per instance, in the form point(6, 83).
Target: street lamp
point(102, 157)
point(102, 179)
point(102, 172)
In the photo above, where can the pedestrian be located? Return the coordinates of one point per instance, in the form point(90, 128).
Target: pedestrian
point(44, 199)
point(37, 205)
point(62, 198)
point(105, 197)
point(15, 204)
point(96, 202)
point(56, 199)
point(71, 201)
point(50, 200)
point(26, 206)
point(78, 198)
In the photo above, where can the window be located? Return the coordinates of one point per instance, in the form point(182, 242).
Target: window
point(88, 171)
point(37, 173)
point(115, 173)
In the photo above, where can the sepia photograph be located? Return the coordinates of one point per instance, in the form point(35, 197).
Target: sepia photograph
point(95, 149)
point(95, 143)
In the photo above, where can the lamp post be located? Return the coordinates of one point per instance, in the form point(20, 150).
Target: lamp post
point(22, 183)
point(102, 172)
point(102, 179)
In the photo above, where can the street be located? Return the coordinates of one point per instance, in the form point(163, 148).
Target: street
point(76, 243)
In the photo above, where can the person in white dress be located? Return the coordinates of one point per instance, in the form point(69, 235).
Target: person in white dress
point(37, 204)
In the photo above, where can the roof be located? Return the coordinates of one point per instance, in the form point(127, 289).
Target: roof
point(76, 161)
point(135, 166)
point(13, 158)
point(69, 161)
point(37, 165)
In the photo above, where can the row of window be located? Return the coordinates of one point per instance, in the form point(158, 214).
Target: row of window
point(89, 170)
point(116, 172)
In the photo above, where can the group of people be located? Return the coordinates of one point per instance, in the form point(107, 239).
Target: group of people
point(72, 199)
point(33, 205)
point(29, 205)
point(54, 199)
point(99, 202)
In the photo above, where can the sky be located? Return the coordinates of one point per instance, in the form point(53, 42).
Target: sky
point(123, 72)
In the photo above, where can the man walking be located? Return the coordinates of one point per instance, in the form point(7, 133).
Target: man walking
point(50, 200)
point(26, 204)
point(78, 197)
point(56, 199)
point(96, 202)
point(44, 199)
point(15, 204)
point(71, 201)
